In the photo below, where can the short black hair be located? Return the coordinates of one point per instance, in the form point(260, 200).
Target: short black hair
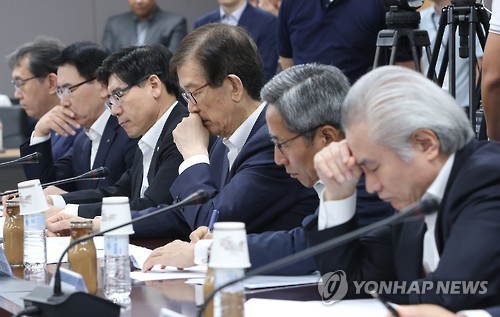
point(85, 56)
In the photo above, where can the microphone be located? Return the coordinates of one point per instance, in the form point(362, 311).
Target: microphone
point(48, 302)
point(98, 173)
point(32, 158)
point(412, 212)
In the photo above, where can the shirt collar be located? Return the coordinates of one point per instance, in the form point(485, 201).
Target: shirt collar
point(150, 138)
point(236, 13)
point(240, 136)
point(97, 128)
point(438, 186)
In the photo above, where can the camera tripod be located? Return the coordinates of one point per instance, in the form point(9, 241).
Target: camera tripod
point(471, 19)
point(402, 33)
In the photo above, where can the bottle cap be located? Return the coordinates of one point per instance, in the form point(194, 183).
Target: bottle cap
point(116, 211)
point(229, 247)
point(81, 223)
point(31, 197)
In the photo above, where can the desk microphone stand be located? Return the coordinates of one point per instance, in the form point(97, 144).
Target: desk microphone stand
point(471, 19)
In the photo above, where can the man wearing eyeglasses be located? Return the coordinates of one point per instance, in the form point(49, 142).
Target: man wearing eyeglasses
point(143, 97)
point(34, 76)
point(82, 98)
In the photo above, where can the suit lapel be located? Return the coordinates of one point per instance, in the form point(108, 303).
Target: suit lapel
point(108, 136)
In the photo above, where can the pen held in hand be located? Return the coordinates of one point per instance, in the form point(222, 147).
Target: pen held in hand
point(213, 219)
point(391, 309)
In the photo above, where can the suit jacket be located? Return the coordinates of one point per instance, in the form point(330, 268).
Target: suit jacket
point(270, 246)
point(256, 191)
point(162, 172)
point(494, 311)
point(61, 144)
point(467, 232)
point(115, 152)
point(164, 28)
point(262, 28)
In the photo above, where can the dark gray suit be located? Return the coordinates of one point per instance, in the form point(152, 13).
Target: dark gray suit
point(164, 28)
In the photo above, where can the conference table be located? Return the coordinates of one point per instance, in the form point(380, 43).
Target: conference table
point(148, 298)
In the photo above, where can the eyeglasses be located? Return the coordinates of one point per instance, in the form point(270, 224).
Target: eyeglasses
point(280, 145)
point(115, 99)
point(18, 83)
point(189, 96)
point(67, 91)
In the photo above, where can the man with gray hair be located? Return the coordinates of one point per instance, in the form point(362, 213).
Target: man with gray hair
point(303, 116)
point(411, 141)
point(34, 76)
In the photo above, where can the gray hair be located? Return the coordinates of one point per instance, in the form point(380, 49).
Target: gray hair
point(394, 102)
point(42, 53)
point(308, 96)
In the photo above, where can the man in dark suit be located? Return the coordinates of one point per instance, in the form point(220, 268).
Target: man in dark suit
point(34, 76)
point(145, 23)
point(260, 24)
point(299, 127)
point(436, 311)
point(142, 96)
point(412, 141)
point(82, 97)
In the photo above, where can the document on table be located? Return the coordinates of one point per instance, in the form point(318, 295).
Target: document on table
point(267, 281)
point(56, 246)
point(170, 273)
point(344, 308)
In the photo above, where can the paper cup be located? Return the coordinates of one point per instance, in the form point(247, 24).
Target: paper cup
point(31, 197)
point(116, 211)
point(229, 247)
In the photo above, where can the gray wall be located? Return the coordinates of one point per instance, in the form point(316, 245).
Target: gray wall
point(70, 21)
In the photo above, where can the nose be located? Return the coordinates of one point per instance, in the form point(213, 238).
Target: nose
point(372, 184)
point(279, 158)
point(193, 108)
point(116, 111)
point(65, 101)
point(17, 93)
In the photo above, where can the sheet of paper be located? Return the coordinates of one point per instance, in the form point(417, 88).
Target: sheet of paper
point(170, 273)
point(2, 221)
point(344, 308)
point(56, 246)
point(266, 281)
point(138, 255)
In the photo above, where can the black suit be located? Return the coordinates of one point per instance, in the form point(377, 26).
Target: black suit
point(115, 152)
point(162, 172)
point(467, 234)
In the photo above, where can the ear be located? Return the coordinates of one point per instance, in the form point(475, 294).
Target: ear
point(237, 88)
point(156, 85)
point(328, 134)
point(52, 82)
point(427, 142)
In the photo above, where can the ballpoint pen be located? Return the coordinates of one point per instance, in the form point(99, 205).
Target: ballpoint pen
point(213, 219)
point(384, 301)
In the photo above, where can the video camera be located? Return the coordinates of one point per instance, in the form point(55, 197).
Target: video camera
point(402, 14)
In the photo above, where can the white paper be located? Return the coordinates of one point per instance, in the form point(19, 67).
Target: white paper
point(344, 308)
point(267, 281)
point(56, 246)
point(2, 221)
point(170, 273)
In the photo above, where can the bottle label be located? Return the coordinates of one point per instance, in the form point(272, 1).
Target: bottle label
point(34, 222)
point(116, 245)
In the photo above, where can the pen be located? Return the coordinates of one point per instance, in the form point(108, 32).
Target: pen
point(384, 301)
point(213, 219)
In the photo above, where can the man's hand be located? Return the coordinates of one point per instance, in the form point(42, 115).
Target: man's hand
point(4, 199)
point(53, 190)
point(200, 233)
point(58, 225)
point(423, 311)
point(191, 137)
point(58, 119)
point(338, 170)
point(177, 253)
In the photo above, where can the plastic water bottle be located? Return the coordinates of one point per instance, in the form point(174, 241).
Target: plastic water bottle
point(117, 285)
point(229, 302)
point(35, 243)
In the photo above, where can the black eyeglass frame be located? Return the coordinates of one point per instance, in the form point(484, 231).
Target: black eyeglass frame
point(117, 95)
point(18, 83)
point(279, 145)
point(67, 91)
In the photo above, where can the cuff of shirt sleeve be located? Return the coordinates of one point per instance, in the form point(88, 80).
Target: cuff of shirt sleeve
point(201, 251)
point(58, 201)
point(473, 313)
point(336, 212)
point(38, 139)
point(195, 159)
point(70, 209)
